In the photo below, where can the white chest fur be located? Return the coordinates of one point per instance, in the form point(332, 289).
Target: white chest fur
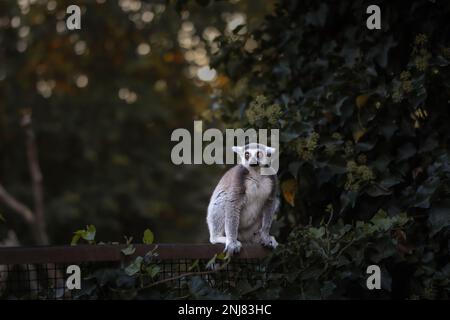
point(257, 190)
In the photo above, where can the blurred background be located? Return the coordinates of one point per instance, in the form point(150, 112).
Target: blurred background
point(91, 112)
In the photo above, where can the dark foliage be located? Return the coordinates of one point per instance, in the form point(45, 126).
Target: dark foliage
point(363, 116)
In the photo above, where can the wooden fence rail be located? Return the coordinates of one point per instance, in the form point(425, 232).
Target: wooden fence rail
point(98, 253)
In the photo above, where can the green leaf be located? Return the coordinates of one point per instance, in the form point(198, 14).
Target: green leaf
point(107, 275)
point(89, 234)
point(76, 237)
point(317, 232)
point(388, 130)
point(134, 267)
point(153, 270)
point(375, 191)
point(211, 262)
point(429, 145)
point(425, 192)
point(128, 240)
point(336, 108)
point(382, 162)
point(200, 289)
point(194, 265)
point(381, 221)
point(148, 237)
point(125, 281)
point(361, 100)
point(128, 250)
point(439, 217)
point(406, 151)
point(348, 199)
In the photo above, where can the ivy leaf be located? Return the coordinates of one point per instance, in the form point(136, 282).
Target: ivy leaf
point(128, 240)
point(148, 237)
point(348, 199)
point(358, 134)
point(104, 276)
point(154, 270)
point(195, 265)
point(382, 162)
point(317, 232)
point(425, 191)
point(288, 136)
point(294, 167)
point(200, 289)
point(128, 251)
point(388, 130)
point(125, 281)
point(439, 217)
point(89, 234)
point(211, 262)
point(376, 191)
point(429, 144)
point(406, 151)
point(361, 100)
point(76, 237)
point(382, 221)
point(289, 189)
point(134, 267)
point(383, 187)
point(337, 107)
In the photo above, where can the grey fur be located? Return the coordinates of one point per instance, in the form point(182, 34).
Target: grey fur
point(244, 202)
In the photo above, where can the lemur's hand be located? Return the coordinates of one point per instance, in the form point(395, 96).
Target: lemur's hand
point(233, 246)
point(268, 241)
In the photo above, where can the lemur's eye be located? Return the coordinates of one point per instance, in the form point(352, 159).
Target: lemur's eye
point(259, 154)
point(247, 155)
point(268, 154)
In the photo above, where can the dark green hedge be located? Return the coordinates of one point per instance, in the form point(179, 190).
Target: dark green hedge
point(364, 123)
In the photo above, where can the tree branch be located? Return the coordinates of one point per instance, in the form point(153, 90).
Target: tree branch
point(36, 178)
point(16, 205)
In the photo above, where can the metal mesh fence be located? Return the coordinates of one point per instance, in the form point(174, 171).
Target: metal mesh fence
point(48, 280)
point(38, 281)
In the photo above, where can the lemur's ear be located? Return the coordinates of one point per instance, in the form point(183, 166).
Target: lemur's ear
point(270, 151)
point(238, 150)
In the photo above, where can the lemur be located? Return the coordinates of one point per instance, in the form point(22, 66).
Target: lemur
point(244, 202)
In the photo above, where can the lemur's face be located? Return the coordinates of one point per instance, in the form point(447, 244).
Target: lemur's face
point(255, 155)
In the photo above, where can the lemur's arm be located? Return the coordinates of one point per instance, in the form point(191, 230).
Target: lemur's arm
point(234, 204)
point(268, 212)
point(232, 216)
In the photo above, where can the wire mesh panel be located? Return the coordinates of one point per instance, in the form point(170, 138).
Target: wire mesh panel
point(223, 279)
point(38, 281)
point(41, 273)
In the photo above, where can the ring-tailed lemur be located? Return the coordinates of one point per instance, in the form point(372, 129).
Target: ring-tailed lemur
point(244, 202)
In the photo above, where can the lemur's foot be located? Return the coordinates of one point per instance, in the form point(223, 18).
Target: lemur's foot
point(268, 241)
point(233, 247)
